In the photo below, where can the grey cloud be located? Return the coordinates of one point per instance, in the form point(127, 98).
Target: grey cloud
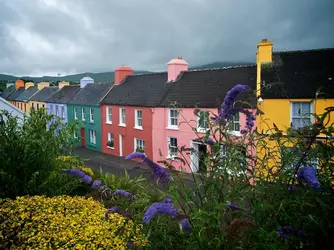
point(67, 36)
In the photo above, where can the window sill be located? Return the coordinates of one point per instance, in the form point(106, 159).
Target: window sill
point(110, 147)
point(92, 145)
point(83, 120)
point(171, 158)
point(108, 122)
point(122, 125)
point(139, 128)
point(173, 128)
point(202, 130)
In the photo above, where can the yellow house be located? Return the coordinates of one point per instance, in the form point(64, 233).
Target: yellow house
point(292, 87)
point(29, 90)
point(45, 92)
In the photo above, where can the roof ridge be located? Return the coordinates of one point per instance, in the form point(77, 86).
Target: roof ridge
point(222, 68)
point(301, 51)
point(151, 73)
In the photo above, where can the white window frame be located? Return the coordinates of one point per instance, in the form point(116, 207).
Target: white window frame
point(83, 114)
point(199, 128)
point(111, 136)
point(138, 119)
point(170, 117)
point(56, 110)
point(299, 117)
point(92, 136)
point(51, 109)
point(121, 122)
point(75, 112)
point(139, 143)
point(62, 112)
point(171, 155)
point(75, 134)
point(108, 115)
point(91, 115)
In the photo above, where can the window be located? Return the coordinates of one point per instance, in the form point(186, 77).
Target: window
point(139, 118)
point(51, 109)
point(108, 115)
point(83, 114)
point(203, 121)
point(75, 135)
point(110, 143)
point(172, 147)
point(37, 106)
point(92, 136)
point(235, 122)
point(173, 118)
point(75, 110)
point(301, 114)
point(43, 105)
point(139, 145)
point(62, 112)
point(32, 105)
point(56, 110)
point(91, 115)
point(122, 117)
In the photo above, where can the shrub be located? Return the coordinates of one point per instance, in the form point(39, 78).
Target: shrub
point(64, 222)
point(29, 152)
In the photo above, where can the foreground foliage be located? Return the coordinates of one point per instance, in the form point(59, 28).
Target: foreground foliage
point(63, 222)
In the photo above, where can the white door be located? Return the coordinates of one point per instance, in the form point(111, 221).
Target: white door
point(194, 159)
point(120, 145)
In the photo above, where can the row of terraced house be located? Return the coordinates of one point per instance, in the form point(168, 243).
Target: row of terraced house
point(157, 112)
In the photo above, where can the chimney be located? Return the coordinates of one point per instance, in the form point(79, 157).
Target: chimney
point(62, 84)
point(41, 85)
point(29, 84)
point(175, 67)
point(121, 73)
point(19, 83)
point(263, 55)
point(86, 80)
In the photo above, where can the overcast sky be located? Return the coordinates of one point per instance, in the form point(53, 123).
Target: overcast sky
point(39, 37)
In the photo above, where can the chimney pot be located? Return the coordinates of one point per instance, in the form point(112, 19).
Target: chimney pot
point(122, 72)
point(175, 67)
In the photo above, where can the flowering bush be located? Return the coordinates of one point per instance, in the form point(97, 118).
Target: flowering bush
point(64, 222)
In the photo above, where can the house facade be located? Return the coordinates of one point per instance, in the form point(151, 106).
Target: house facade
point(19, 88)
point(22, 100)
point(14, 111)
point(84, 107)
point(38, 101)
point(57, 104)
point(292, 87)
point(155, 113)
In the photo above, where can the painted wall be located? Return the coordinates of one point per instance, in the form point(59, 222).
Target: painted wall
point(278, 111)
point(129, 132)
point(54, 105)
point(87, 125)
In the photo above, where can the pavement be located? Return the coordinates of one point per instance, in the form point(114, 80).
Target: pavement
point(116, 165)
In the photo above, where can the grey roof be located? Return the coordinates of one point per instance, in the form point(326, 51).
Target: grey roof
point(146, 90)
point(207, 88)
point(91, 94)
point(44, 94)
point(15, 94)
point(27, 94)
point(8, 91)
point(64, 94)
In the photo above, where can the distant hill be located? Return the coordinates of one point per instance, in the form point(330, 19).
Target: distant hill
point(107, 76)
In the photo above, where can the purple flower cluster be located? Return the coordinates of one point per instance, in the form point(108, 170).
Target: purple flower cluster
point(233, 206)
point(118, 211)
point(209, 141)
point(309, 175)
point(285, 231)
point(166, 208)
point(124, 194)
point(79, 174)
point(158, 171)
point(250, 118)
point(227, 109)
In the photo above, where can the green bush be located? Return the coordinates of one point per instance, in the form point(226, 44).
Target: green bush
point(64, 222)
point(28, 155)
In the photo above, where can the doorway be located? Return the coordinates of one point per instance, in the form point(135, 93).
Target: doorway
point(198, 156)
point(83, 139)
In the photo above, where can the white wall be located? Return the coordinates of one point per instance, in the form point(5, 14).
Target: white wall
point(4, 105)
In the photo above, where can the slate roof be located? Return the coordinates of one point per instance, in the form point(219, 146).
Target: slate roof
point(8, 91)
point(15, 94)
point(299, 74)
point(91, 94)
point(207, 88)
point(64, 94)
point(44, 94)
point(27, 94)
point(144, 90)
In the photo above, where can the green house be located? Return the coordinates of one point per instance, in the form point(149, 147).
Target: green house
point(85, 108)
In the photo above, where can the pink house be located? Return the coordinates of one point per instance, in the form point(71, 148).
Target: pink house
point(164, 105)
